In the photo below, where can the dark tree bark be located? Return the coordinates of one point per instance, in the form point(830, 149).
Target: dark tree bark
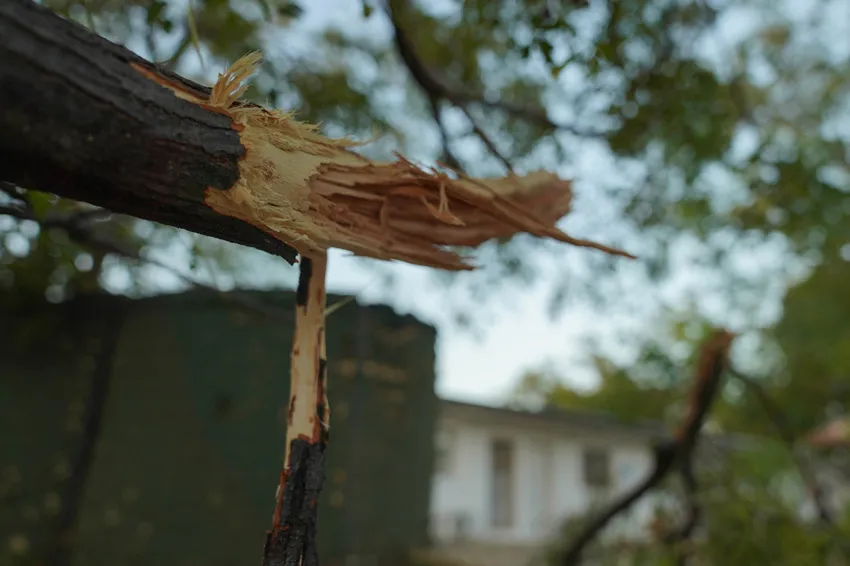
point(79, 119)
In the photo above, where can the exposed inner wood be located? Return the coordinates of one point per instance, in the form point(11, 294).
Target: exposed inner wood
point(315, 193)
point(292, 537)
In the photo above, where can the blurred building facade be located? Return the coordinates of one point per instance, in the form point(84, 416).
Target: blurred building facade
point(505, 481)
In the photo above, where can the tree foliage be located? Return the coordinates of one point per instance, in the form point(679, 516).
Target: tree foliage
point(618, 392)
point(723, 131)
point(765, 483)
point(747, 496)
point(715, 126)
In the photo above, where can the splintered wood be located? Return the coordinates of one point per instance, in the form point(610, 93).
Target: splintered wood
point(292, 539)
point(314, 193)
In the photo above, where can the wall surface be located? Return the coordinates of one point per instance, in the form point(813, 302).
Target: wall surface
point(153, 431)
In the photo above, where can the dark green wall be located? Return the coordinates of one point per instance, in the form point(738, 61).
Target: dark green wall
point(187, 457)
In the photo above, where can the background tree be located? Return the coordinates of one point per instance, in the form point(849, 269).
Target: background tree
point(711, 137)
point(705, 117)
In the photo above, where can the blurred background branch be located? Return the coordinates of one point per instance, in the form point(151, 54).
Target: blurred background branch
point(669, 455)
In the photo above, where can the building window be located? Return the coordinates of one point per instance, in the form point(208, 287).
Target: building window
point(597, 468)
point(502, 471)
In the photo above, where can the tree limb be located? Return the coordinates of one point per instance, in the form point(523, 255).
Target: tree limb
point(449, 157)
point(670, 454)
point(84, 118)
point(694, 512)
point(786, 434)
point(15, 212)
point(13, 192)
point(184, 44)
point(691, 486)
point(292, 538)
point(436, 89)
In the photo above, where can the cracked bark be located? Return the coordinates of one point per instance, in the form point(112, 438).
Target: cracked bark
point(81, 118)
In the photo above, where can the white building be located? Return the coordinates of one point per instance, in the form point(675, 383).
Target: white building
point(505, 480)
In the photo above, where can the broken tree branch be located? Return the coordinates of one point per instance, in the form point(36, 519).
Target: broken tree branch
point(669, 455)
point(689, 482)
point(786, 435)
point(84, 118)
point(292, 539)
point(315, 193)
point(693, 514)
point(87, 119)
